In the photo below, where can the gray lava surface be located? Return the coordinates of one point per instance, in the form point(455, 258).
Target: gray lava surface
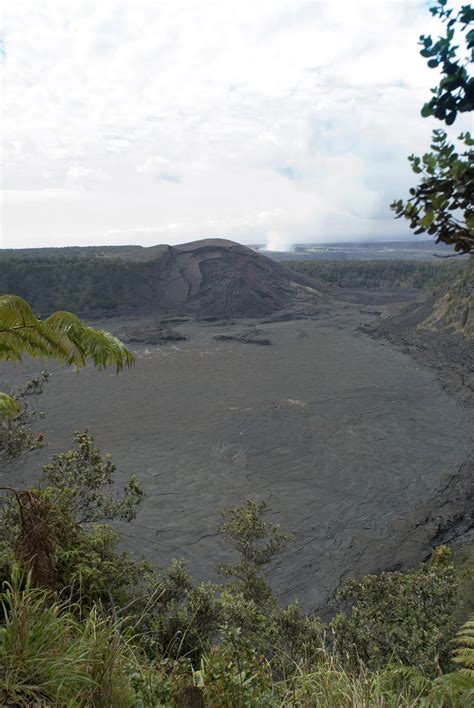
point(347, 438)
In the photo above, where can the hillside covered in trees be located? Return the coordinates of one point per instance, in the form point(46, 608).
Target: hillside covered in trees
point(407, 274)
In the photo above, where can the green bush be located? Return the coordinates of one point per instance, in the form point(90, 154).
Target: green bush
point(399, 617)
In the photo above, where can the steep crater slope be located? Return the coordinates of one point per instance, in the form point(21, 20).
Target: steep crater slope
point(439, 332)
point(450, 310)
point(213, 278)
point(453, 309)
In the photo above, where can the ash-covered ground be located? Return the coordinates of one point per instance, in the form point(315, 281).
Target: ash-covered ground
point(358, 447)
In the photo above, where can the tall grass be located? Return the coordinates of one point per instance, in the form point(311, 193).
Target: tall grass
point(48, 655)
point(329, 683)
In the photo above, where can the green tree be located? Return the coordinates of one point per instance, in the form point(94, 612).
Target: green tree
point(402, 617)
point(443, 203)
point(62, 337)
point(257, 542)
point(51, 529)
point(16, 435)
point(80, 479)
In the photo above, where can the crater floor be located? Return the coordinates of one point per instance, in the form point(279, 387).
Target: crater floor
point(344, 436)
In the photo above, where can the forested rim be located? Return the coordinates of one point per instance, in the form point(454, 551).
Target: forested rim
point(81, 283)
point(89, 283)
point(377, 274)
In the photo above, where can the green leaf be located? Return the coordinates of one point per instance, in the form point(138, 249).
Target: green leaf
point(8, 406)
point(62, 337)
point(451, 117)
point(426, 111)
point(427, 219)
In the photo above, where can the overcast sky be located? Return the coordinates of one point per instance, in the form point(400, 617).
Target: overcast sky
point(161, 121)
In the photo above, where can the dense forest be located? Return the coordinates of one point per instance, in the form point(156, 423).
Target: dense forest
point(378, 274)
point(84, 283)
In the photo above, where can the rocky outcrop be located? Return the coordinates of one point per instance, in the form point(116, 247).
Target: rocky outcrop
point(453, 309)
point(439, 333)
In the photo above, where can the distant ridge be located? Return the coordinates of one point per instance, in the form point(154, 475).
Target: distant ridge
point(211, 278)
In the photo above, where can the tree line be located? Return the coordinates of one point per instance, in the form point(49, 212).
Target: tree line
point(378, 273)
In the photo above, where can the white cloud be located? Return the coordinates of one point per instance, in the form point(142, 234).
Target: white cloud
point(177, 120)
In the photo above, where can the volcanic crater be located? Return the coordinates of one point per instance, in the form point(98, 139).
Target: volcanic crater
point(358, 448)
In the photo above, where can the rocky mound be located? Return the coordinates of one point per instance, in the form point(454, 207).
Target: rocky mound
point(215, 278)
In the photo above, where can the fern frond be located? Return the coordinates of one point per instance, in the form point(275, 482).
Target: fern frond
point(463, 655)
point(457, 687)
point(14, 310)
point(8, 406)
point(62, 336)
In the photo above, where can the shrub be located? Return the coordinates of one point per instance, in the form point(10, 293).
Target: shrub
point(401, 617)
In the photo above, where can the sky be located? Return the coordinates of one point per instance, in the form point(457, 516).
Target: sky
point(165, 121)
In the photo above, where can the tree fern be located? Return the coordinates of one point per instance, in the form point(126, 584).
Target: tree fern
point(463, 655)
point(62, 336)
point(457, 687)
point(8, 406)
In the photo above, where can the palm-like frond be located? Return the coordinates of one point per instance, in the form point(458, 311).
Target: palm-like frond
point(463, 655)
point(8, 406)
point(62, 336)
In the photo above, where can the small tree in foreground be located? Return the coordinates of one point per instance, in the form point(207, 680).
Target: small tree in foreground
point(455, 92)
point(442, 204)
point(43, 528)
point(81, 480)
point(16, 435)
point(257, 542)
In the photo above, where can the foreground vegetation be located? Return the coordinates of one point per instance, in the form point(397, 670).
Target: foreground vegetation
point(379, 274)
point(86, 624)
